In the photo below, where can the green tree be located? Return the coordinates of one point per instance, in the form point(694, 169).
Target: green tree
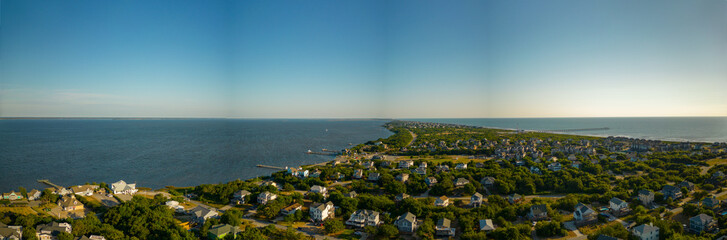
point(65, 236)
point(469, 189)
point(426, 230)
point(333, 225)
point(232, 217)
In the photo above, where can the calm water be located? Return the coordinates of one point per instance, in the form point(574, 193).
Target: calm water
point(695, 129)
point(157, 153)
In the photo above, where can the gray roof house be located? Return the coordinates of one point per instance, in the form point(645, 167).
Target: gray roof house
point(702, 223)
point(362, 218)
point(486, 225)
point(584, 215)
point(646, 232)
point(538, 212)
point(201, 214)
point(646, 197)
point(406, 222)
point(444, 228)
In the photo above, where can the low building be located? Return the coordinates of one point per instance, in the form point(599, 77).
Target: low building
point(10, 232)
point(646, 197)
point(84, 190)
point(486, 225)
point(362, 218)
point(51, 230)
point(686, 184)
point(584, 215)
point(291, 209)
point(514, 198)
point(122, 187)
point(406, 164)
point(351, 194)
point(201, 214)
point(460, 166)
point(12, 196)
point(461, 182)
point(91, 237)
point(442, 201)
point(374, 176)
point(34, 195)
point(488, 181)
point(702, 223)
point(711, 203)
point(672, 192)
point(646, 232)
point(406, 223)
point(219, 231)
point(421, 171)
point(70, 203)
point(319, 189)
point(239, 196)
point(319, 212)
point(444, 228)
point(538, 212)
point(401, 197)
point(403, 177)
point(265, 197)
point(476, 199)
point(358, 174)
point(556, 166)
point(430, 181)
point(618, 207)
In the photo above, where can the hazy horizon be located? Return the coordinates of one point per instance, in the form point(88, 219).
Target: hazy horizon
point(363, 59)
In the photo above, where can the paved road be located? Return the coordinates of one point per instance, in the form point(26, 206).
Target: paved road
point(413, 138)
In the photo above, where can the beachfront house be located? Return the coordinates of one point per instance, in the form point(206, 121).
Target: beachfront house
point(70, 203)
point(444, 228)
point(319, 212)
point(175, 206)
point(421, 171)
point(265, 197)
point(646, 232)
point(476, 199)
point(239, 196)
point(646, 197)
point(34, 195)
point(122, 187)
point(362, 218)
point(407, 222)
point(702, 223)
point(12, 196)
point(84, 190)
point(442, 201)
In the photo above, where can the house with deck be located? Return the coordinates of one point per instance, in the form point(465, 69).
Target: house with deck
point(362, 218)
point(444, 228)
point(407, 222)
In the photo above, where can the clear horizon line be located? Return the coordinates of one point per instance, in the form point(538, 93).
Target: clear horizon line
point(351, 118)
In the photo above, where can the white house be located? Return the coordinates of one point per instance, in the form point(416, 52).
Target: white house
point(321, 211)
point(362, 218)
point(84, 190)
point(583, 214)
point(319, 189)
point(266, 196)
point(461, 166)
point(239, 196)
point(442, 201)
point(618, 207)
point(121, 187)
point(646, 232)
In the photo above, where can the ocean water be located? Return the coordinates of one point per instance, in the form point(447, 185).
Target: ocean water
point(158, 153)
point(693, 129)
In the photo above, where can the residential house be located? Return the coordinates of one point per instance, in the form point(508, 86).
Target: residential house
point(444, 228)
point(584, 215)
point(686, 184)
point(34, 195)
point(486, 225)
point(672, 192)
point(84, 190)
point(646, 232)
point(442, 201)
point(291, 209)
point(406, 222)
point(62, 191)
point(488, 181)
point(239, 196)
point(10, 232)
point(514, 198)
point(711, 203)
point(572, 157)
point(362, 218)
point(351, 194)
point(201, 214)
point(461, 182)
point(646, 197)
point(702, 223)
point(421, 171)
point(51, 230)
point(423, 165)
point(554, 166)
point(460, 166)
point(476, 199)
point(576, 164)
point(174, 205)
point(374, 176)
point(269, 183)
point(219, 231)
point(406, 164)
point(535, 170)
point(122, 187)
point(430, 181)
point(266, 196)
point(12, 196)
point(70, 203)
point(316, 173)
point(401, 196)
point(442, 168)
point(319, 189)
point(91, 237)
point(358, 173)
point(403, 177)
point(319, 212)
point(538, 212)
point(618, 207)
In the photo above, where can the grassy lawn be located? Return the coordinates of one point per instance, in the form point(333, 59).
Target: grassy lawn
point(716, 161)
point(18, 210)
point(345, 234)
point(41, 209)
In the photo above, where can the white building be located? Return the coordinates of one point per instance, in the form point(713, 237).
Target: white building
point(321, 211)
point(646, 232)
point(121, 187)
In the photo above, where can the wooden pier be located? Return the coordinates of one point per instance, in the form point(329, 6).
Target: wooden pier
point(271, 167)
point(47, 182)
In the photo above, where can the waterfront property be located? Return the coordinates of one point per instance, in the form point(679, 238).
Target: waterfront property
point(122, 187)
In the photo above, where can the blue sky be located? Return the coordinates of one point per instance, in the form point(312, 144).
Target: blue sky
point(352, 59)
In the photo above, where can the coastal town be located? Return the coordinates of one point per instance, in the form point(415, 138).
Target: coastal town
point(426, 181)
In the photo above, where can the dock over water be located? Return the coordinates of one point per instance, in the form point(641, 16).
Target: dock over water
point(47, 182)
